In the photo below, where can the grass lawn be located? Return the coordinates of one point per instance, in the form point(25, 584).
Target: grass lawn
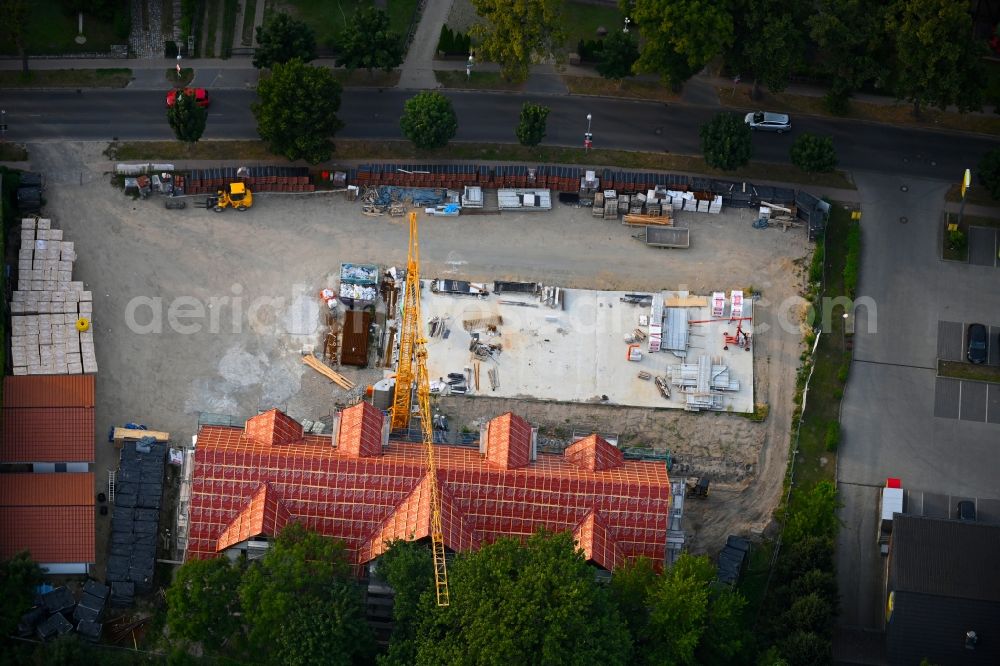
point(592, 85)
point(185, 77)
point(478, 80)
point(894, 114)
point(404, 150)
point(51, 29)
point(581, 21)
point(249, 10)
point(977, 194)
point(963, 370)
point(813, 462)
point(12, 152)
point(327, 19)
point(67, 78)
point(947, 251)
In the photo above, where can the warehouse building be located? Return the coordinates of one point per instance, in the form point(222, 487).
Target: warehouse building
point(247, 483)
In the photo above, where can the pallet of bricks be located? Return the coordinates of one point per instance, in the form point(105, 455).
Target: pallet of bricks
point(51, 315)
point(258, 179)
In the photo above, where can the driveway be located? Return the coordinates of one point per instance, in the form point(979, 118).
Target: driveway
point(888, 421)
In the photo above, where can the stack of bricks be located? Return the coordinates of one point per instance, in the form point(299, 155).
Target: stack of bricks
point(48, 307)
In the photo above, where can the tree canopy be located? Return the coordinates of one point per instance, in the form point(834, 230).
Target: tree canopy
point(813, 153)
point(618, 56)
point(428, 120)
point(297, 111)
point(989, 172)
point(514, 603)
point(186, 118)
point(850, 35)
point(772, 43)
point(530, 128)
point(518, 32)
point(369, 43)
point(18, 577)
point(939, 64)
point(726, 142)
point(680, 36)
point(408, 568)
point(282, 38)
point(202, 601)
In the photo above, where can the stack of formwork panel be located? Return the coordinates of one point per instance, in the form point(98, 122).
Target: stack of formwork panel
point(48, 307)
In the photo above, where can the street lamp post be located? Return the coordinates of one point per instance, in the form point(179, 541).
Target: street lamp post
point(469, 65)
point(178, 66)
point(627, 21)
point(843, 332)
point(588, 137)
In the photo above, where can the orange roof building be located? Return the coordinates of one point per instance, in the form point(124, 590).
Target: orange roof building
point(248, 483)
point(50, 515)
point(48, 420)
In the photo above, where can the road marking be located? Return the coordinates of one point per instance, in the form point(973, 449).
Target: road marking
point(960, 400)
point(897, 365)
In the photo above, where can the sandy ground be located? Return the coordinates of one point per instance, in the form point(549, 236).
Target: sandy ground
point(205, 313)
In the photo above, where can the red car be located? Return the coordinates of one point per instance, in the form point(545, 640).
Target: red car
point(200, 95)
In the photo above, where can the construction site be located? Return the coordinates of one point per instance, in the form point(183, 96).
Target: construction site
point(589, 335)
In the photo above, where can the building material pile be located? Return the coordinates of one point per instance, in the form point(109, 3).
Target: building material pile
point(524, 199)
point(257, 178)
point(136, 520)
point(52, 315)
point(57, 612)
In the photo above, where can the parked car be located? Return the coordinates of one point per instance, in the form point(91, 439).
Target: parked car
point(966, 510)
point(768, 122)
point(200, 95)
point(976, 338)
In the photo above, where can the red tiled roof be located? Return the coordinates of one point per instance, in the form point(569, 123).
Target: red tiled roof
point(263, 514)
point(273, 427)
point(51, 515)
point(593, 453)
point(48, 391)
point(367, 500)
point(361, 430)
point(508, 441)
point(597, 542)
point(48, 434)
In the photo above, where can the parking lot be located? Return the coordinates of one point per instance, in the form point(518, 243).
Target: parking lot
point(984, 243)
point(936, 505)
point(963, 399)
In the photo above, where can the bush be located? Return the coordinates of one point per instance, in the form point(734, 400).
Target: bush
point(429, 120)
point(816, 267)
point(957, 240)
point(454, 42)
point(726, 142)
point(530, 128)
point(832, 436)
point(446, 42)
point(590, 50)
point(170, 49)
point(842, 373)
point(813, 153)
point(989, 172)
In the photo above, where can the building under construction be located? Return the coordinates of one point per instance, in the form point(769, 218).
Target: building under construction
point(360, 486)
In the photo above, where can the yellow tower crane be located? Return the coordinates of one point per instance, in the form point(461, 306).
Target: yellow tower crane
point(413, 352)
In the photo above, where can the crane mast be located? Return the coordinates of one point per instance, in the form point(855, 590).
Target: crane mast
point(413, 352)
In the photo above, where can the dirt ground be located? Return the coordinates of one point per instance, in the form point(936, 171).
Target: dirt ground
point(241, 289)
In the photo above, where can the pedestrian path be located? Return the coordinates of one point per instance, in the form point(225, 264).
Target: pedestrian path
point(417, 72)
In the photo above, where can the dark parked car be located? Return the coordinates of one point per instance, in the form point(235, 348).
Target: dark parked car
point(976, 338)
point(966, 510)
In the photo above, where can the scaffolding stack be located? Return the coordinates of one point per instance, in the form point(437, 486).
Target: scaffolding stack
point(703, 384)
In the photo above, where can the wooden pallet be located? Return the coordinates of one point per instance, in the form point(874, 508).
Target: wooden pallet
point(325, 370)
point(648, 220)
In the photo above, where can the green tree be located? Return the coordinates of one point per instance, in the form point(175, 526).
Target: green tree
point(772, 42)
point(813, 153)
point(803, 648)
point(726, 142)
point(629, 587)
point(297, 111)
point(512, 603)
point(299, 564)
point(725, 637)
point(821, 582)
point(618, 56)
point(16, 27)
point(811, 613)
point(989, 172)
point(408, 568)
point(203, 601)
point(369, 43)
point(852, 41)
point(530, 128)
point(939, 63)
point(679, 611)
point(815, 514)
point(186, 118)
point(429, 120)
point(18, 577)
point(281, 39)
point(518, 33)
point(326, 626)
point(679, 37)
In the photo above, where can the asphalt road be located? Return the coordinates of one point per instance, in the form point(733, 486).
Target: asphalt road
point(486, 116)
